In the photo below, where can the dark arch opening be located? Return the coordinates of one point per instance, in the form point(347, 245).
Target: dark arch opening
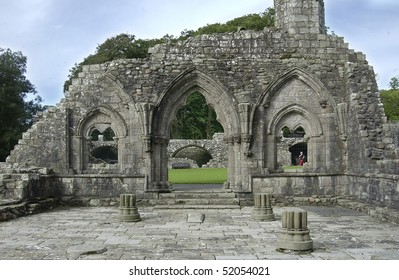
point(297, 133)
point(198, 154)
point(104, 154)
point(195, 120)
point(295, 151)
point(107, 135)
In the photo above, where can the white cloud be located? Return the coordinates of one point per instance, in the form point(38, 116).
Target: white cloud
point(56, 34)
point(383, 2)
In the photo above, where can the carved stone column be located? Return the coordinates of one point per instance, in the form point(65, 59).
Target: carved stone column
point(229, 184)
point(236, 139)
point(127, 208)
point(295, 233)
point(246, 115)
point(160, 165)
point(146, 111)
point(263, 208)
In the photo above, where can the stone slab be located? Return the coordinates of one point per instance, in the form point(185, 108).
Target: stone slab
point(165, 234)
point(195, 218)
point(86, 249)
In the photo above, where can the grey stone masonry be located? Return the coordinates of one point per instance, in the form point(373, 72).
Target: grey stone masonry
point(295, 233)
point(293, 76)
point(216, 147)
point(263, 210)
point(300, 16)
point(128, 211)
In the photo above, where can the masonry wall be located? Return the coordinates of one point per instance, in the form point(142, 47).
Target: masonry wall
point(216, 147)
point(267, 79)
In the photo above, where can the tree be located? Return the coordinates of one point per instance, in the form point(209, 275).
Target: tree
point(390, 100)
point(121, 46)
point(195, 120)
point(16, 112)
point(250, 22)
point(394, 83)
point(128, 46)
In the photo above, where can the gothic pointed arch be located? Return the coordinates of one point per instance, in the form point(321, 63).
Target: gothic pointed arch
point(321, 92)
point(192, 80)
point(295, 116)
point(175, 94)
point(114, 83)
point(101, 118)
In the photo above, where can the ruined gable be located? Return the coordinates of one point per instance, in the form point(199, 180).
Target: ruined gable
point(259, 83)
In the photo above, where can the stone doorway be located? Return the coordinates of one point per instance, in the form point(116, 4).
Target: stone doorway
point(195, 153)
point(173, 98)
point(295, 151)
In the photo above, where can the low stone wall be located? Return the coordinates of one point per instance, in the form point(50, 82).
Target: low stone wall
point(300, 184)
point(373, 189)
point(97, 186)
point(19, 186)
point(14, 209)
point(374, 194)
point(216, 147)
point(186, 161)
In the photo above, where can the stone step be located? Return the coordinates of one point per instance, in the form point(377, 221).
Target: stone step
point(209, 199)
point(200, 201)
point(199, 206)
point(194, 195)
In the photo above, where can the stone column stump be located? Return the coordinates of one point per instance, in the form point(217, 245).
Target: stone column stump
point(263, 208)
point(295, 233)
point(128, 209)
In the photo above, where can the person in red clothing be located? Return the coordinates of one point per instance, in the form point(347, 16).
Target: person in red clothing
point(301, 159)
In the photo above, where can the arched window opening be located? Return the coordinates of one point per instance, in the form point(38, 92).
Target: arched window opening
point(200, 155)
point(107, 135)
point(105, 154)
point(299, 154)
point(297, 133)
point(102, 147)
point(286, 131)
point(290, 146)
point(195, 120)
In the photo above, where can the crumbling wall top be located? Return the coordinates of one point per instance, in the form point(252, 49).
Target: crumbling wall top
point(300, 16)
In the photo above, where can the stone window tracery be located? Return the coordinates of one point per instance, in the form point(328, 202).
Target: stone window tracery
point(103, 148)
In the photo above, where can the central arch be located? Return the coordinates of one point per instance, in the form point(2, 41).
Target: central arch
point(171, 99)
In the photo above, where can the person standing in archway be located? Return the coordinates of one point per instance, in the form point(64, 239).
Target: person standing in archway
point(301, 158)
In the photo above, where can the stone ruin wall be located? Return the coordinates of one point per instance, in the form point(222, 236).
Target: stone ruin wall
point(315, 76)
point(216, 147)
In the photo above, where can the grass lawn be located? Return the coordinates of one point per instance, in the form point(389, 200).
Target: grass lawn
point(293, 167)
point(198, 176)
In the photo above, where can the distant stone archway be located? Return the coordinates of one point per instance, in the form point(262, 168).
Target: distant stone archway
point(196, 153)
point(258, 82)
point(297, 99)
point(166, 108)
point(100, 119)
point(216, 147)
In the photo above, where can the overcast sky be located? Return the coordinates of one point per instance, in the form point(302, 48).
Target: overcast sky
point(56, 34)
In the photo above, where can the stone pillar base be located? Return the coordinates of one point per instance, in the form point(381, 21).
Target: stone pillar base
point(295, 241)
point(263, 210)
point(127, 210)
point(261, 215)
point(295, 234)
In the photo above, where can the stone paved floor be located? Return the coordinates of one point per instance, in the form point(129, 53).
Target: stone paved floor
point(96, 233)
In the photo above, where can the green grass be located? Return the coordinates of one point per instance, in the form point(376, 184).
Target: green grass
point(293, 167)
point(198, 176)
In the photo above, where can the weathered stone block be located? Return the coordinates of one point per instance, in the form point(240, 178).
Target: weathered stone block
point(128, 211)
point(262, 210)
point(295, 233)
